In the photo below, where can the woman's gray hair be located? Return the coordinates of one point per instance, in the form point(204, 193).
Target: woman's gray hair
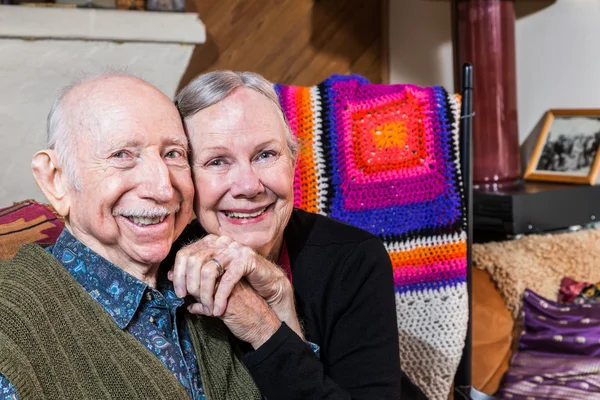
point(210, 88)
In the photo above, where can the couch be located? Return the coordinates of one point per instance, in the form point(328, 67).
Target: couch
point(502, 273)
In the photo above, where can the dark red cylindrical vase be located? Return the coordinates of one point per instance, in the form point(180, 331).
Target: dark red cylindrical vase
point(485, 37)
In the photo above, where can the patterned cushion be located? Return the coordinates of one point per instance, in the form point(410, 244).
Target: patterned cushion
point(27, 222)
point(558, 355)
point(385, 158)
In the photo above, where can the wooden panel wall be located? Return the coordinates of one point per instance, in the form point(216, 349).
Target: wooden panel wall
point(298, 42)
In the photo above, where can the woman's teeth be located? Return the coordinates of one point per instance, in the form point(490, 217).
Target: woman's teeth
point(241, 215)
point(143, 221)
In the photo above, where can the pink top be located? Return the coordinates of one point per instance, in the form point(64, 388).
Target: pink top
point(284, 262)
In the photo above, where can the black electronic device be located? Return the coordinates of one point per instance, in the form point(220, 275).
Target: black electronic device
point(533, 207)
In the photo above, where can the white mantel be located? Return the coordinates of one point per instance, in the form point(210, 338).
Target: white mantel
point(43, 49)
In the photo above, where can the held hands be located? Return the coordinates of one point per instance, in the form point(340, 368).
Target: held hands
point(247, 316)
point(199, 266)
point(194, 273)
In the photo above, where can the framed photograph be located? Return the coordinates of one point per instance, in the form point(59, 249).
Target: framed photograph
point(567, 148)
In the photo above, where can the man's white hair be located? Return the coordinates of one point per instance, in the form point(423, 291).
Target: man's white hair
point(212, 87)
point(60, 133)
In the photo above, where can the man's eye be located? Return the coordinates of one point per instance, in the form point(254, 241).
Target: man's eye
point(173, 154)
point(119, 154)
point(216, 162)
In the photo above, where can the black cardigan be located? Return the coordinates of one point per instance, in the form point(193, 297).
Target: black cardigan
point(343, 286)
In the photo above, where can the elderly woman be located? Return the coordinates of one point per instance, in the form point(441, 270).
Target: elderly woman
point(327, 325)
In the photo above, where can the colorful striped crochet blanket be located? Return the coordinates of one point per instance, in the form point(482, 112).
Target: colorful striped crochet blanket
point(385, 158)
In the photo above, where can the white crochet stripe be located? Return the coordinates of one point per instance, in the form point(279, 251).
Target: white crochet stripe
point(322, 183)
point(432, 326)
point(455, 105)
point(424, 241)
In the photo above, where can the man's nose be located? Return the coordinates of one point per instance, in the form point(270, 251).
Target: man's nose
point(158, 186)
point(246, 182)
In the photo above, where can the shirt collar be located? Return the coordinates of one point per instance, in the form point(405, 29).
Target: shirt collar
point(118, 292)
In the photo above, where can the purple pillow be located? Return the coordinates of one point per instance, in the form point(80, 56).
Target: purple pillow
point(558, 356)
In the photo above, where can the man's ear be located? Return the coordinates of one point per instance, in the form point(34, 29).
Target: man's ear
point(52, 180)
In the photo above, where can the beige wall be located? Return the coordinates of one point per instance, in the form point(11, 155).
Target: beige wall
point(421, 43)
point(558, 52)
point(32, 71)
point(295, 42)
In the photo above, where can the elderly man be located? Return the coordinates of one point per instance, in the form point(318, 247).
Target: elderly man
point(91, 317)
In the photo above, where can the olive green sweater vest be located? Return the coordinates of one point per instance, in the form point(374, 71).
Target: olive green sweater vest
point(56, 342)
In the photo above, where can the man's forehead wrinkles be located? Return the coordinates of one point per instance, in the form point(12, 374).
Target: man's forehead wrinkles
point(177, 140)
point(129, 140)
point(101, 122)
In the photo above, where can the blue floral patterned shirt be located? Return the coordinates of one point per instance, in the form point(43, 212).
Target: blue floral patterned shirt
point(150, 315)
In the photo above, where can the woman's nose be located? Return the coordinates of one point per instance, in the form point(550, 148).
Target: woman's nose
point(246, 182)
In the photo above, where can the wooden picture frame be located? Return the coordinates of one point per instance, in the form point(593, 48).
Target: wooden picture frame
point(567, 148)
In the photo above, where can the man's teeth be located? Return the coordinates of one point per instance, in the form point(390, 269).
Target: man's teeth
point(143, 221)
point(240, 215)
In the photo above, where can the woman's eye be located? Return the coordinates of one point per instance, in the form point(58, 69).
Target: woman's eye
point(266, 154)
point(216, 162)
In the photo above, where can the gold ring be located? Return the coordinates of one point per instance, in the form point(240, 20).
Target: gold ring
point(220, 269)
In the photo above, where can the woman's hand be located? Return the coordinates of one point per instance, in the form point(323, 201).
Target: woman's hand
point(248, 316)
point(199, 266)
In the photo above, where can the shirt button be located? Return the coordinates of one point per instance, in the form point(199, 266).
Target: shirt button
point(149, 296)
point(152, 319)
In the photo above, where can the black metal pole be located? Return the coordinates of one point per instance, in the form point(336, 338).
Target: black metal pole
point(462, 380)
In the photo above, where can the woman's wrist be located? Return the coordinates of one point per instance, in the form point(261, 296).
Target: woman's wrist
point(265, 332)
point(285, 309)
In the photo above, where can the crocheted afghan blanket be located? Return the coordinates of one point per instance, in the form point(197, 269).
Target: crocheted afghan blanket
point(385, 158)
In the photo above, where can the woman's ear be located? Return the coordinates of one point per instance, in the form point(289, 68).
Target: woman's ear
point(51, 177)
